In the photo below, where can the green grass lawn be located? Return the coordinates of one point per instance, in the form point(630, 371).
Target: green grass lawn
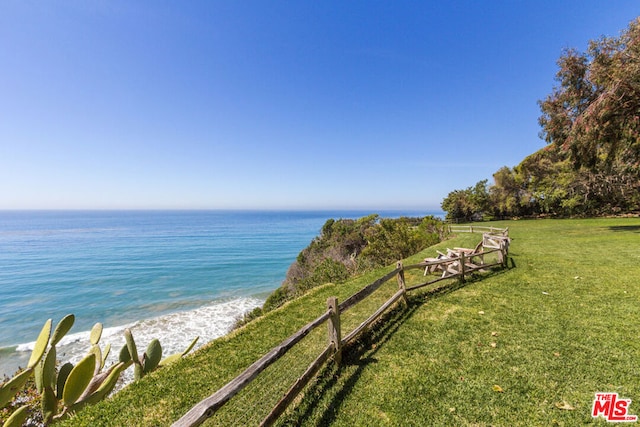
point(525, 346)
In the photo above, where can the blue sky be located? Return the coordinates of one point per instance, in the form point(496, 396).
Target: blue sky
point(275, 104)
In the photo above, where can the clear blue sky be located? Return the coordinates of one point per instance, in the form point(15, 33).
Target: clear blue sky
point(275, 104)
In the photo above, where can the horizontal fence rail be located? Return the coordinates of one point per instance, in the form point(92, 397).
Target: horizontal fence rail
point(206, 408)
point(456, 264)
point(477, 229)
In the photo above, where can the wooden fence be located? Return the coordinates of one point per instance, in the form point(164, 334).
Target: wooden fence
point(478, 229)
point(457, 263)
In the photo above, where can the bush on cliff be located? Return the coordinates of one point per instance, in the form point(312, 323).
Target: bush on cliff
point(346, 247)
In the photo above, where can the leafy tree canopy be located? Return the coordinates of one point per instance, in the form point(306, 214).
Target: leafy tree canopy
point(594, 113)
point(467, 204)
point(591, 122)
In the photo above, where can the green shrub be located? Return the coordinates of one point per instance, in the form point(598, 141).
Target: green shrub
point(346, 247)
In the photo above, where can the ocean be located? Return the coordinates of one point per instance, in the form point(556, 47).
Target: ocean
point(171, 275)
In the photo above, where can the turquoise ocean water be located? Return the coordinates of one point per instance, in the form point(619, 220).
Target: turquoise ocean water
point(171, 275)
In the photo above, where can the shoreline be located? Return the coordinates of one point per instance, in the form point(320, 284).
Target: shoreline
point(174, 331)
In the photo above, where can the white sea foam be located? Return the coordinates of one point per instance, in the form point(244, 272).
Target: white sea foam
point(175, 332)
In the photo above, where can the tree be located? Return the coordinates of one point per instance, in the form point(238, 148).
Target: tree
point(549, 180)
point(505, 193)
point(595, 111)
point(467, 204)
point(591, 122)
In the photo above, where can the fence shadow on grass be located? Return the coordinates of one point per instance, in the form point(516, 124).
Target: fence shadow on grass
point(323, 398)
point(627, 228)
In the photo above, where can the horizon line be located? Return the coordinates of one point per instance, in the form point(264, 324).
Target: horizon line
point(230, 209)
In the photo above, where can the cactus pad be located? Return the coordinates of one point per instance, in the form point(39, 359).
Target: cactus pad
point(62, 328)
point(41, 345)
point(78, 379)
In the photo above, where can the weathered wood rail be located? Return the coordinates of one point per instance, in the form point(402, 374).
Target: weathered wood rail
point(458, 264)
point(477, 229)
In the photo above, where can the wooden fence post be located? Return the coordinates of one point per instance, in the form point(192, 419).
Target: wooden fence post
point(463, 265)
point(401, 283)
point(506, 253)
point(335, 335)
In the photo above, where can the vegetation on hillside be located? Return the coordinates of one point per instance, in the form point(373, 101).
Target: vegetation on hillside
point(346, 247)
point(591, 122)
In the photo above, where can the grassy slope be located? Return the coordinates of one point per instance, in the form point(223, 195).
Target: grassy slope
point(564, 323)
point(563, 326)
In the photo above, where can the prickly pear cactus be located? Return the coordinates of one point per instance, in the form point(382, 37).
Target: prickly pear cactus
point(153, 355)
point(177, 356)
point(67, 389)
